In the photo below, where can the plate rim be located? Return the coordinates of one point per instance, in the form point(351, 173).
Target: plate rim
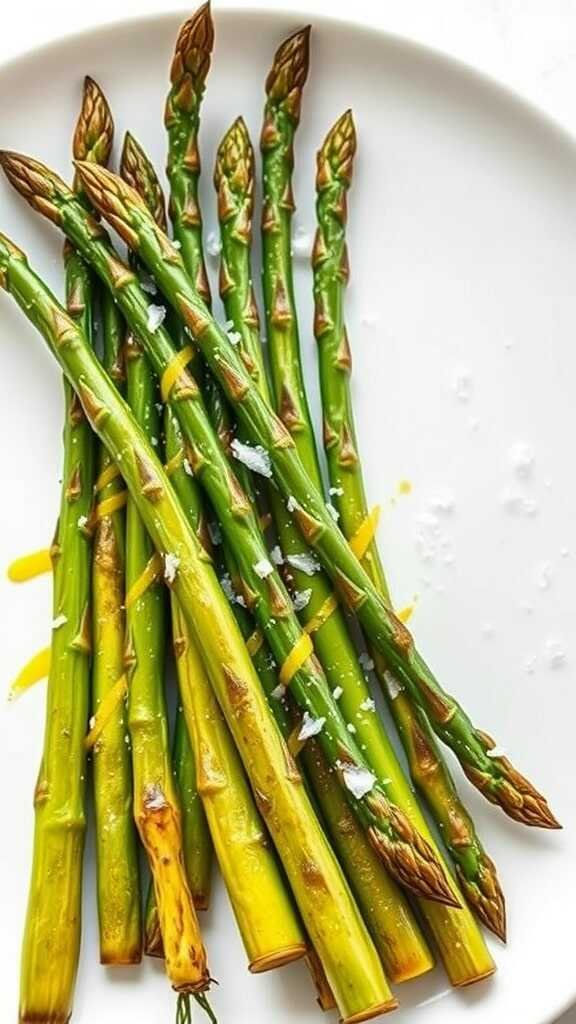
point(525, 107)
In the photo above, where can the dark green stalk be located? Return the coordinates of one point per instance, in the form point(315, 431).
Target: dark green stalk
point(475, 870)
point(328, 911)
point(493, 775)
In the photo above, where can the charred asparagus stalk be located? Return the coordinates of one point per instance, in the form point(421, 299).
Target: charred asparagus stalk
point(117, 879)
point(266, 918)
point(156, 805)
point(494, 776)
point(475, 870)
point(330, 916)
point(386, 912)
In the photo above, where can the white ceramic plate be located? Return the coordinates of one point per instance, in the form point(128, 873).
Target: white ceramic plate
point(462, 316)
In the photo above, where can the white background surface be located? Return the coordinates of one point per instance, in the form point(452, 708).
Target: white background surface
point(527, 44)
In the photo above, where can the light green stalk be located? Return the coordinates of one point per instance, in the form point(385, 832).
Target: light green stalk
point(328, 911)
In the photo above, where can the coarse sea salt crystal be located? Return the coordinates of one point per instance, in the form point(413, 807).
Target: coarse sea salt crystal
point(462, 383)
point(523, 506)
point(310, 726)
point(368, 704)
point(351, 728)
point(60, 620)
point(333, 511)
point(359, 781)
point(521, 456)
point(544, 576)
point(213, 244)
point(156, 317)
point(291, 504)
point(278, 692)
point(301, 243)
point(187, 467)
point(82, 520)
point(256, 458)
point(305, 562)
point(148, 285)
point(496, 752)
point(176, 243)
point(366, 661)
point(276, 555)
point(263, 568)
point(171, 564)
point(337, 692)
point(555, 653)
point(234, 337)
point(392, 685)
point(300, 599)
point(339, 491)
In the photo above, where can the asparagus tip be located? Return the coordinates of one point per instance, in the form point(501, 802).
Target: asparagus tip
point(193, 51)
point(138, 171)
point(289, 69)
point(94, 130)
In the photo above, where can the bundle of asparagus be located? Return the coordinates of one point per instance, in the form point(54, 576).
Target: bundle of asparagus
point(280, 760)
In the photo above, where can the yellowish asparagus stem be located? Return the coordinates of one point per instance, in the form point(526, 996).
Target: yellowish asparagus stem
point(264, 913)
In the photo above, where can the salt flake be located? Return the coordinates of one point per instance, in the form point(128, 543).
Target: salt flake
point(310, 726)
point(392, 685)
point(60, 620)
point(256, 458)
point(368, 704)
point(263, 568)
point(359, 781)
point(276, 555)
point(300, 599)
point(171, 564)
point(156, 317)
point(305, 562)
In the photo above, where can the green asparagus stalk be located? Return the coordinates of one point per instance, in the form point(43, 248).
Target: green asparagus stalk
point(117, 880)
point(394, 930)
point(53, 919)
point(407, 856)
point(190, 66)
point(459, 941)
point(493, 775)
point(156, 803)
point(475, 870)
point(329, 914)
point(267, 922)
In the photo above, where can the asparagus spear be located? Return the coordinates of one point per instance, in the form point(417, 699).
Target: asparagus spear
point(407, 856)
point(460, 943)
point(190, 66)
point(53, 919)
point(156, 805)
point(330, 916)
point(385, 910)
point(117, 880)
point(493, 775)
point(267, 922)
point(475, 870)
